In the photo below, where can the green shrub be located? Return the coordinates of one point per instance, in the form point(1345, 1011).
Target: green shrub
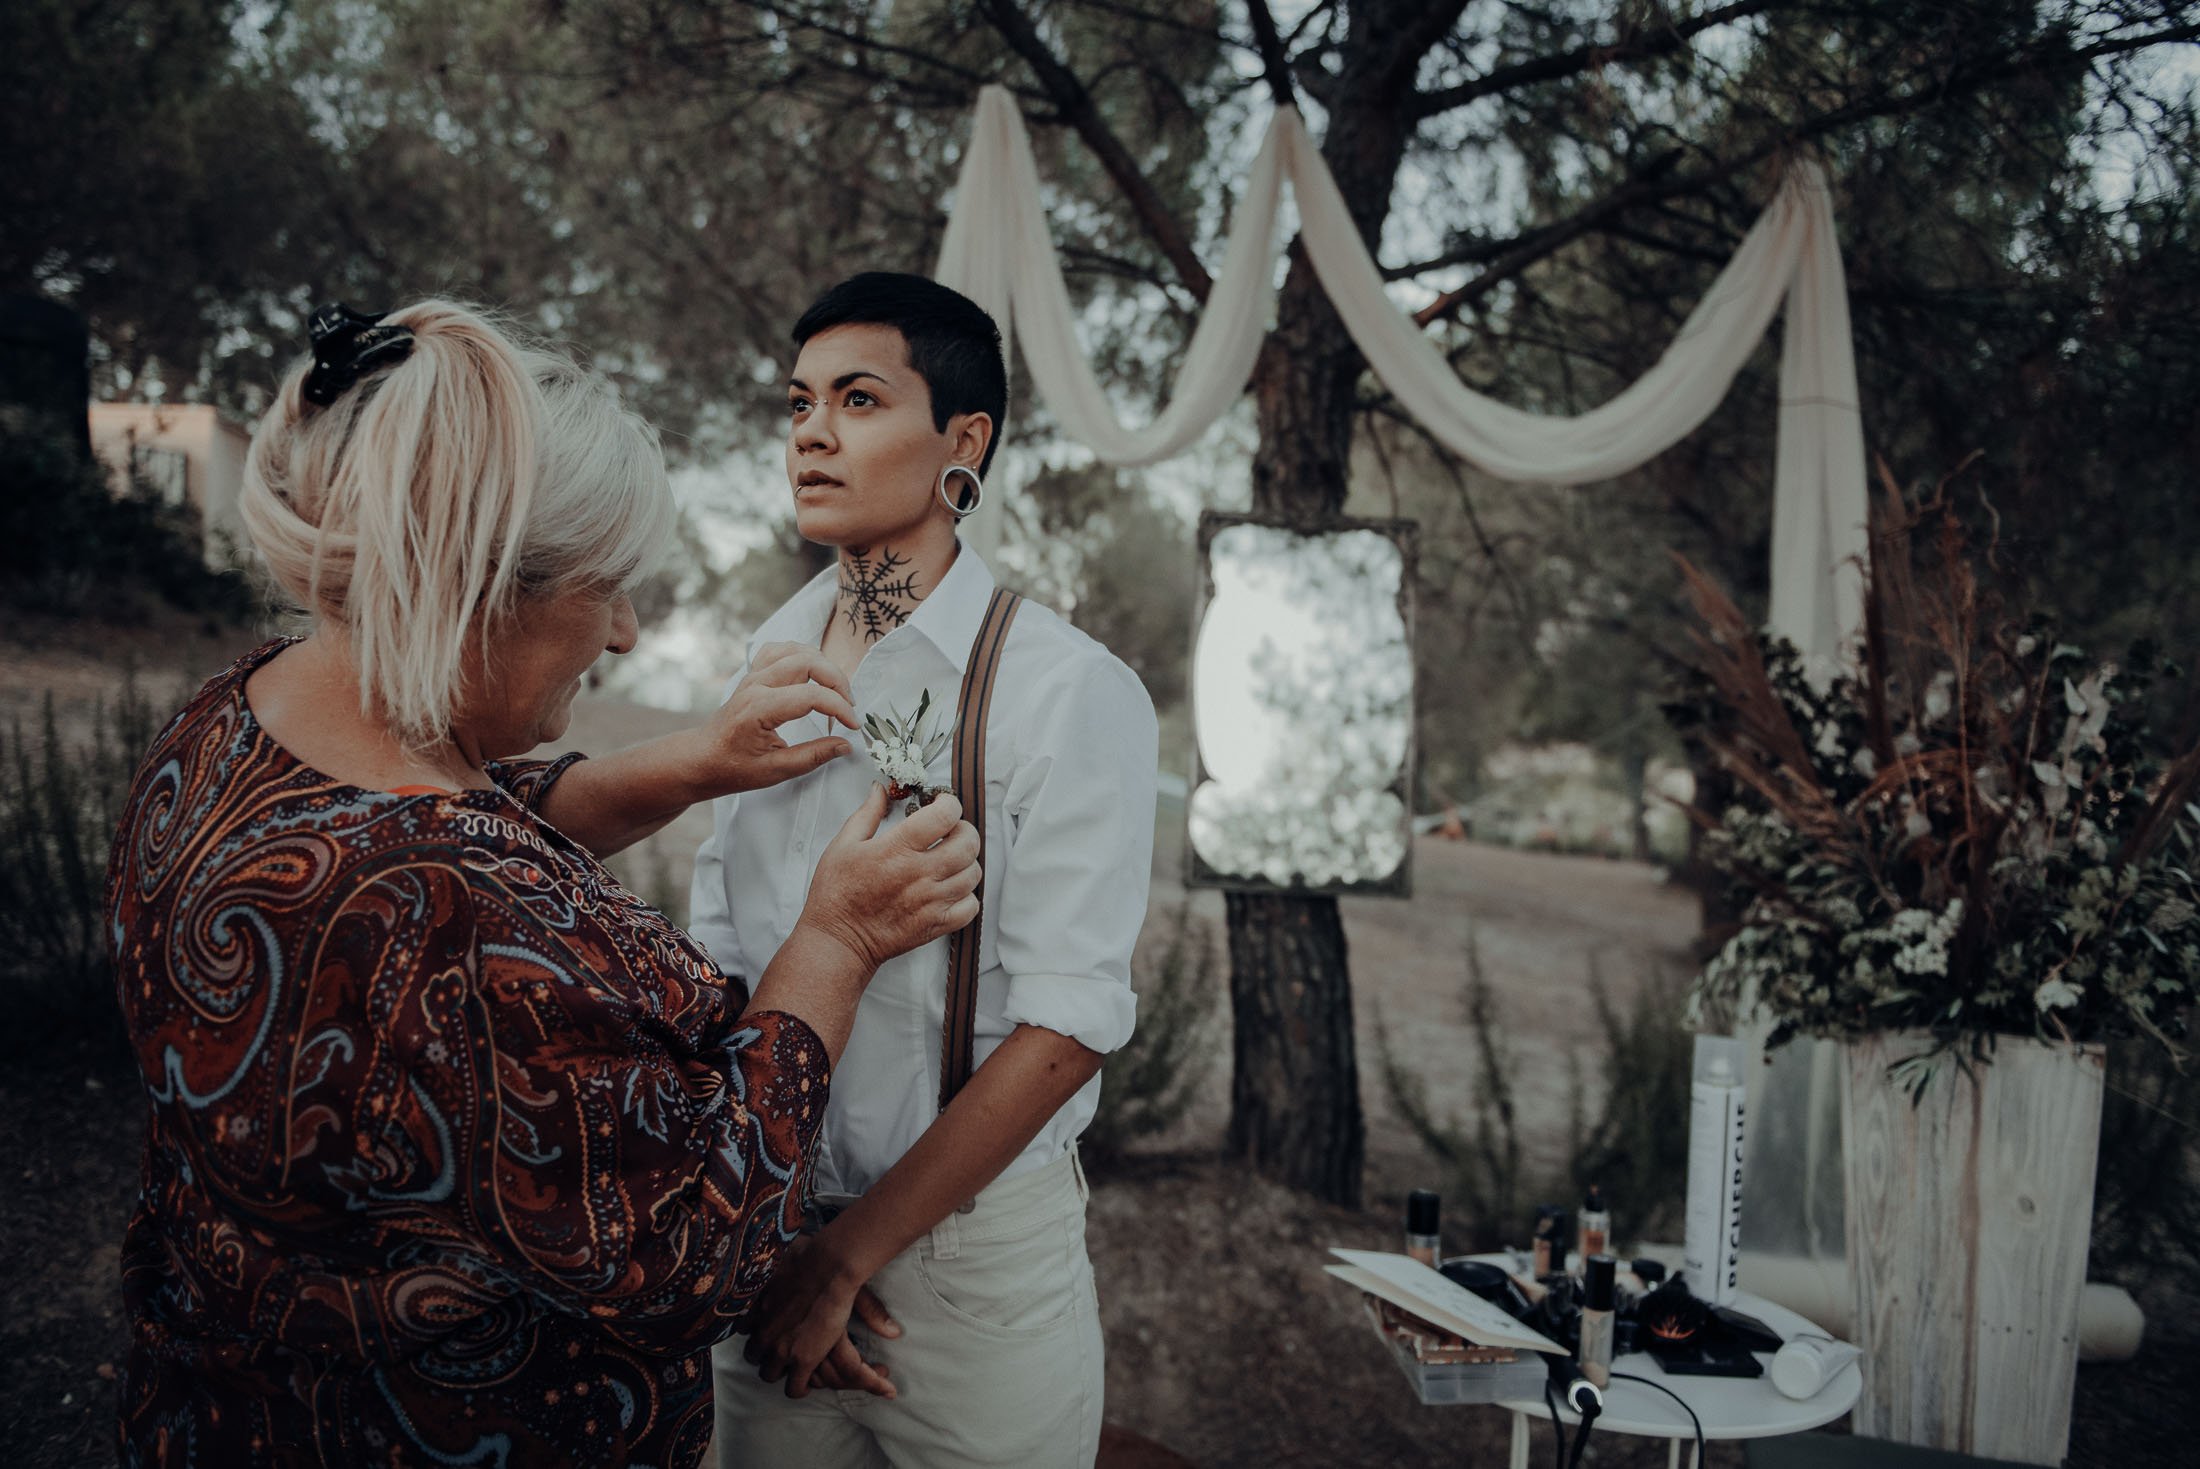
point(1481, 1154)
point(58, 808)
point(69, 545)
point(1149, 1084)
point(1636, 1149)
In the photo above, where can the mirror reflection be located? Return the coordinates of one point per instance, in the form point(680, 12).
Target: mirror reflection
point(1302, 708)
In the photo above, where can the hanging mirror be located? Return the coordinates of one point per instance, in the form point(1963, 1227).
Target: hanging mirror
point(1302, 707)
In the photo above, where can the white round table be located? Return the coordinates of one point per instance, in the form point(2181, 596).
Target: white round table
point(1728, 1407)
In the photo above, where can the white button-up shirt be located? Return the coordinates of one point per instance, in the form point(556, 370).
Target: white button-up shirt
point(1071, 758)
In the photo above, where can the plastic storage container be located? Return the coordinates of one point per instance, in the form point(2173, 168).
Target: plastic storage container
point(1438, 1383)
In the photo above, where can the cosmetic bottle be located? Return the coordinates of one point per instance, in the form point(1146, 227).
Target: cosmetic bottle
point(1807, 1363)
point(1596, 1225)
point(1599, 1296)
point(1711, 1235)
point(1550, 1241)
point(1424, 1210)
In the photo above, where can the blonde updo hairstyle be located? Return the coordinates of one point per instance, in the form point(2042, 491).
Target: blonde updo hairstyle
point(429, 499)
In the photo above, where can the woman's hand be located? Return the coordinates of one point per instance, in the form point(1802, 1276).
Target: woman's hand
point(875, 894)
point(801, 1325)
point(610, 803)
point(884, 893)
point(741, 748)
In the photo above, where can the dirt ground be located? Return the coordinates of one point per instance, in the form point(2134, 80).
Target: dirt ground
point(1226, 1342)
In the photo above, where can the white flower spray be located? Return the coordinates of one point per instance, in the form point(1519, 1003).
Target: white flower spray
point(903, 750)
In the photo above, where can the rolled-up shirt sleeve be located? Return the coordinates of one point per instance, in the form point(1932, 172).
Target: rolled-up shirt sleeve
point(1079, 855)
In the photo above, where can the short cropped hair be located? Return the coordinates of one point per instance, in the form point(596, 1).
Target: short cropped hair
point(440, 490)
point(953, 344)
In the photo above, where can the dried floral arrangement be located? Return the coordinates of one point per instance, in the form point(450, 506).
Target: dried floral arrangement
point(1973, 833)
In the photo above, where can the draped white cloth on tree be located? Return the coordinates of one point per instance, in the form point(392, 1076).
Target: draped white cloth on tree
point(998, 251)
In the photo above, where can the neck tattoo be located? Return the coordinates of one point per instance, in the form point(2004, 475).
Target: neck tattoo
point(877, 593)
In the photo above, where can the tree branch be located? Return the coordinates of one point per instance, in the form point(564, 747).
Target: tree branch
point(1273, 62)
point(1306, 68)
point(1514, 256)
point(1581, 59)
point(1159, 18)
point(1077, 258)
point(1081, 113)
point(1416, 40)
point(799, 19)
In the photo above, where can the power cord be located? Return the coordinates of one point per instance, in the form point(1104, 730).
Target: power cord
point(1585, 1400)
point(1661, 1387)
point(1582, 1397)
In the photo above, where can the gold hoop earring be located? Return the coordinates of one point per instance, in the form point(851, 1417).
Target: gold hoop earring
point(977, 490)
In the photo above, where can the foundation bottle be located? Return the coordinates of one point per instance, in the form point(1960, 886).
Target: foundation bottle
point(1599, 1290)
point(1424, 1213)
point(1596, 1225)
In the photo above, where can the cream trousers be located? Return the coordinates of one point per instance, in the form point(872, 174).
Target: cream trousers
point(999, 1361)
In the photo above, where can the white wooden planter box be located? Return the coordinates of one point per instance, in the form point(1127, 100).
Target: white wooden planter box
point(1969, 1215)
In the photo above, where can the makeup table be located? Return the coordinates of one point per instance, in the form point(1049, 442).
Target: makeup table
point(1728, 1407)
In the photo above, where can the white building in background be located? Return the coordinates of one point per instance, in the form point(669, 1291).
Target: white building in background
point(189, 454)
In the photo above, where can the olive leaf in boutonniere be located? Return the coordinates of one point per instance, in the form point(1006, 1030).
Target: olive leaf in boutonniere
point(903, 751)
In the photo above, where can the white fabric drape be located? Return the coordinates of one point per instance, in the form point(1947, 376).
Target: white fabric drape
point(999, 252)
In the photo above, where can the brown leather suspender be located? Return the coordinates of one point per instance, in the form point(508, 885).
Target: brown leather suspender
point(958, 1034)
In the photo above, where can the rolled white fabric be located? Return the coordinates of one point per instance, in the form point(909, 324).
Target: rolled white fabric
point(999, 252)
point(2110, 1324)
point(1820, 506)
point(1790, 256)
point(1646, 418)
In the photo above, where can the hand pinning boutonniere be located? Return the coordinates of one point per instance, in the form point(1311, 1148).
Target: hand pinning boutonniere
point(903, 751)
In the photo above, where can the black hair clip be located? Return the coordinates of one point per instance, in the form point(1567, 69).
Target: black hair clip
point(346, 345)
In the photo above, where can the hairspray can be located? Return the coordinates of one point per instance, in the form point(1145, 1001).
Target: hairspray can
point(1711, 1237)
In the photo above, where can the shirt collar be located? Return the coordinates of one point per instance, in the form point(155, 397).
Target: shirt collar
point(948, 619)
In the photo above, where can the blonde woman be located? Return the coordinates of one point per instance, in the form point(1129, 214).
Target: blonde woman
point(458, 1153)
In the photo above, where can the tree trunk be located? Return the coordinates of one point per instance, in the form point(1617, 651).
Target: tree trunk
point(1295, 1092)
point(1294, 1081)
point(1635, 770)
point(1295, 1084)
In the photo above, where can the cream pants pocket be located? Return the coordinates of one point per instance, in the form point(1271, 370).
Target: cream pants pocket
point(999, 1362)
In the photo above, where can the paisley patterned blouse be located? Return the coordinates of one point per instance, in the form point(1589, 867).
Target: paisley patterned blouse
point(457, 1153)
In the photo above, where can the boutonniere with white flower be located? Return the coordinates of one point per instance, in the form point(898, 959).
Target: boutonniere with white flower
point(903, 751)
